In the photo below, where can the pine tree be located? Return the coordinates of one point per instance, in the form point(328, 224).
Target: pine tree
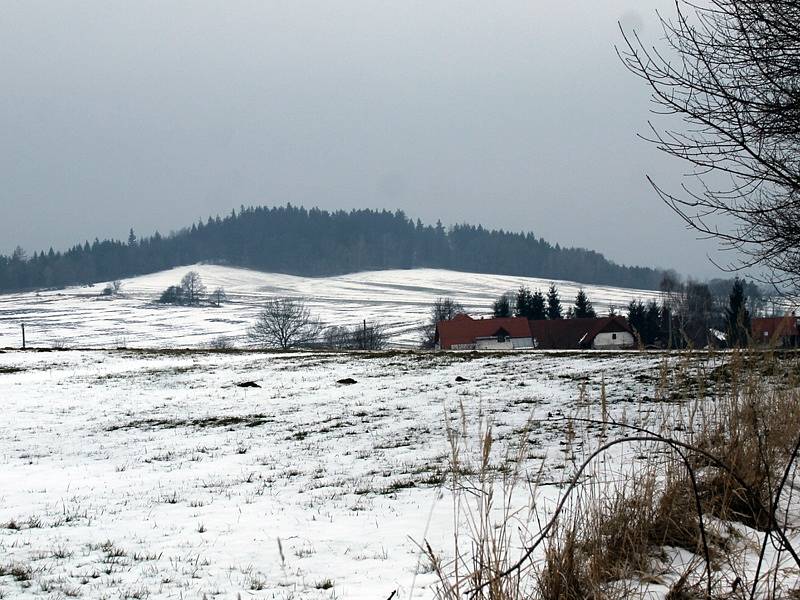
point(583, 307)
point(131, 238)
point(502, 307)
point(522, 302)
point(652, 323)
point(637, 319)
point(538, 310)
point(553, 303)
point(737, 316)
point(667, 327)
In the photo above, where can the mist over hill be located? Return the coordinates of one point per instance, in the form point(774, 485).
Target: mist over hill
point(297, 241)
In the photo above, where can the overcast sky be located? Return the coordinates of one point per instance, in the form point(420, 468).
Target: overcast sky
point(516, 115)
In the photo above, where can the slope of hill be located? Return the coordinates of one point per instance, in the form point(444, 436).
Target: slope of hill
point(400, 299)
point(319, 243)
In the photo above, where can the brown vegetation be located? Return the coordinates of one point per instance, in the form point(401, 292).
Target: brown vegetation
point(714, 469)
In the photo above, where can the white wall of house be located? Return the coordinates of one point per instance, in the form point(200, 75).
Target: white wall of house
point(613, 340)
point(523, 342)
point(462, 347)
point(492, 344)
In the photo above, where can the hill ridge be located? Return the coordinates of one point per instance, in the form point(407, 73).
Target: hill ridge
point(316, 242)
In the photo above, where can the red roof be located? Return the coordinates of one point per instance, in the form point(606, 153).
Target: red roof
point(769, 329)
point(573, 334)
point(463, 329)
point(560, 334)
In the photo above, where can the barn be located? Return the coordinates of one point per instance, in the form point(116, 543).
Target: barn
point(465, 333)
point(603, 333)
point(779, 332)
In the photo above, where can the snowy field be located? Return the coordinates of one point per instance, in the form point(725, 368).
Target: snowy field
point(401, 300)
point(148, 472)
point(134, 474)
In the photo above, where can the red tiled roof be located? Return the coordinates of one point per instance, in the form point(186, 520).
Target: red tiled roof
point(573, 334)
point(768, 329)
point(557, 334)
point(463, 329)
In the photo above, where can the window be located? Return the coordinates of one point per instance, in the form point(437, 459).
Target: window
point(613, 336)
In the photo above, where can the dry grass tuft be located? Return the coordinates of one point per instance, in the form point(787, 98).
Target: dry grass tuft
point(722, 452)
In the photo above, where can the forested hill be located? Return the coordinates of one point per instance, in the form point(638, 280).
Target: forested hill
point(317, 243)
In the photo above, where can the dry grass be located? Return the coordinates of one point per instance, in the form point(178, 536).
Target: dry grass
point(721, 452)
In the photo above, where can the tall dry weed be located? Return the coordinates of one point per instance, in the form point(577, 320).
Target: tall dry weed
point(721, 450)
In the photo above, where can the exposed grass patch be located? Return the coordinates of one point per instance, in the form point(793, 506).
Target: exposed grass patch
point(19, 571)
point(325, 584)
point(257, 583)
point(254, 420)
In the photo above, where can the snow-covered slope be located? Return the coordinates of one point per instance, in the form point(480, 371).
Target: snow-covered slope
point(400, 299)
point(127, 475)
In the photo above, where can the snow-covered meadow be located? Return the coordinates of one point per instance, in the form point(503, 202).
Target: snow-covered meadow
point(138, 466)
point(400, 300)
point(151, 474)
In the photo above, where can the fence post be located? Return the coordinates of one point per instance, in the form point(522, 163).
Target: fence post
point(23, 335)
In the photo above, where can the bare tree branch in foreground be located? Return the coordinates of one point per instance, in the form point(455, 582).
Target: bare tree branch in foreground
point(730, 72)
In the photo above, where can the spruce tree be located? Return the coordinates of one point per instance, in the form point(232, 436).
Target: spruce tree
point(522, 302)
point(538, 309)
point(667, 327)
point(583, 307)
point(502, 307)
point(553, 303)
point(652, 323)
point(637, 319)
point(737, 316)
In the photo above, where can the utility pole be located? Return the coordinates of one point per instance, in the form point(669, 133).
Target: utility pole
point(23, 335)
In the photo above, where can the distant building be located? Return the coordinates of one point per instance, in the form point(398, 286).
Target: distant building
point(603, 333)
point(465, 333)
point(780, 332)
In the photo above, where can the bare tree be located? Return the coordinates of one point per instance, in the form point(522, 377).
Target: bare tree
point(218, 296)
point(689, 311)
point(369, 336)
point(193, 288)
point(731, 72)
point(366, 336)
point(112, 289)
point(285, 323)
point(336, 337)
point(443, 309)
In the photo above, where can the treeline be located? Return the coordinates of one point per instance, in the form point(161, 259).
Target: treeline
point(315, 242)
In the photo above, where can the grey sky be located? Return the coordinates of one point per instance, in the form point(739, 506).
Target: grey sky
point(152, 114)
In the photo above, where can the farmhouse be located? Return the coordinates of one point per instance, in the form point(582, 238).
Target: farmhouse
point(780, 332)
point(465, 333)
point(604, 333)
